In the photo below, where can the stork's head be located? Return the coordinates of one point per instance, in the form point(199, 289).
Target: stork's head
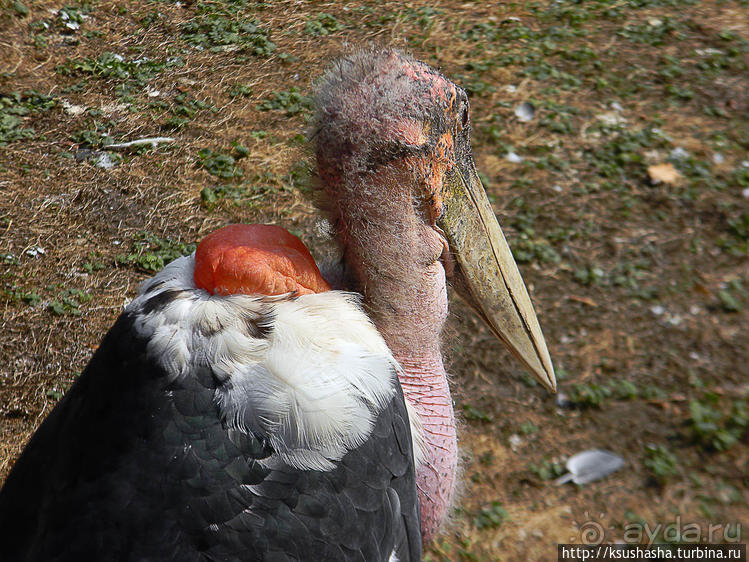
point(392, 139)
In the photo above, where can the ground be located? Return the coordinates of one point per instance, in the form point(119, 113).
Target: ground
point(622, 186)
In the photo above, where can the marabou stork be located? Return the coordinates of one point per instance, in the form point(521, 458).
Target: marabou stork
point(241, 409)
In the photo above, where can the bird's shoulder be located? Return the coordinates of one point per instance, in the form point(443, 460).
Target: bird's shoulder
point(209, 425)
point(309, 374)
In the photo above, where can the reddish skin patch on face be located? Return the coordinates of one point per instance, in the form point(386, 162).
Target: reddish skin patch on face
point(442, 160)
point(432, 169)
point(256, 259)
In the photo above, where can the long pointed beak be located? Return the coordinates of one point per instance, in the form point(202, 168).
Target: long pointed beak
point(486, 274)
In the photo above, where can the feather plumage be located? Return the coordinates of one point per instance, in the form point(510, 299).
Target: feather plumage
point(220, 428)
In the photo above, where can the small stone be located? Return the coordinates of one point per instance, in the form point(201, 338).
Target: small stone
point(658, 310)
point(709, 51)
point(679, 153)
point(611, 119)
point(525, 111)
point(105, 161)
point(35, 251)
point(514, 158)
point(563, 400)
point(72, 109)
point(718, 158)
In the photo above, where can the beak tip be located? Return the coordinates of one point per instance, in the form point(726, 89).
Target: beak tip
point(550, 382)
point(542, 367)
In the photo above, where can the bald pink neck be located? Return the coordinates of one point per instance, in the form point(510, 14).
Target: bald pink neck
point(408, 302)
point(413, 333)
point(424, 383)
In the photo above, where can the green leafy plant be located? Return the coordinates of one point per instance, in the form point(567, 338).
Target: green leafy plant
point(240, 90)
point(718, 428)
point(292, 101)
point(219, 164)
point(15, 109)
point(528, 428)
point(151, 253)
point(30, 297)
point(131, 74)
point(547, 470)
point(57, 392)
point(98, 134)
point(218, 31)
point(471, 413)
point(590, 394)
point(491, 516)
point(661, 462)
point(323, 24)
point(68, 302)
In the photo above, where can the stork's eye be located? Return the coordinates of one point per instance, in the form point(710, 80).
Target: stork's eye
point(463, 119)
